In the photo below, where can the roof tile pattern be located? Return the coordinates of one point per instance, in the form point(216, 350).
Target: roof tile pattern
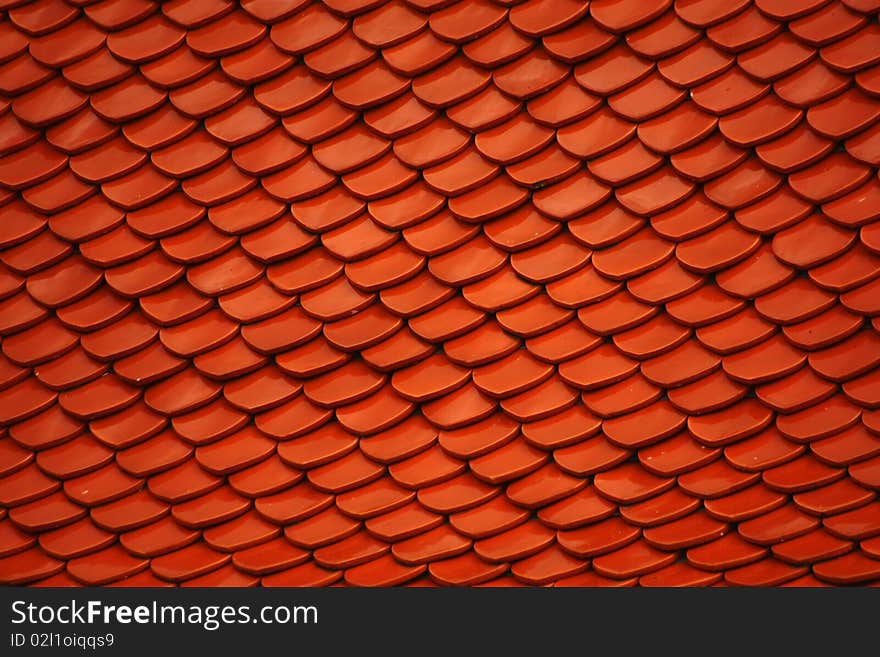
point(462, 293)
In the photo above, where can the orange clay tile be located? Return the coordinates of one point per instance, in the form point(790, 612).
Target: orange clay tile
point(383, 293)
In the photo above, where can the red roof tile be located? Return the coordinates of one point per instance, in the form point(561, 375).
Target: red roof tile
point(427, 300)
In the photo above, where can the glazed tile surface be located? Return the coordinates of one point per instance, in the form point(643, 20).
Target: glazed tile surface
point(462, 293)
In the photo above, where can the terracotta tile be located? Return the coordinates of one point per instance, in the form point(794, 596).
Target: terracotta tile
point(235, 452)
point(266, 477)
point(96, 71)
point(625, 164)
point(663, 36)
point(129, 512)
point(706, 291)
point(543, 401)
point(661, 509)
point(819, 421)
point(598, 538)
point(857, 524)
point(177, 68)
point(827, 25)
point(293, 90)
point(418, 54)
point(43, 341)
point(100, 486)
point(501, 290)
point(600, 132)
point(852, 445)
point(456, 494)
point(212, 508)
point(288, 36)
point(118, 247)
point(319, 447)
point(630, 483)
point(619, 313)
point(406, 439)
point(352, 551)
point(154, 455)
point(578, 42)
point(597, 368)
point(823, 330)
point(394, 265)
point(110, 564)
point(11, 373)
point(381, 411)
point(192, 561)
point(651, 338)
point(547, 566)
point(676, 455)
point(810, 85)
point(15, 541)
point(842, 495)
point(645, 426)
point(382, 178)
point(400, 350)
point(374, 499)
point(784, 523)
point(679, 575)
point(709, 158)
point(401, 116)
point(223, 576)
point(646, 98)
point(349, 472)
point(684, 364)
point(852, 53)
point(27, 485)
point(860, 299)
point(582, 508)
point(384, 572)
point(852, 568)
point(729, 551)
point(443, 542)
point(229, 34)
point(25, 399)
point(403, 523)
point(743, 31)
point(625, 396)
point(832, 177)
point(306, 574)
point(49, 427)
point(319, 121)
point(731, 424)
point(801, 474)
point(183, 392)
point(464, 570)
point(694, 529)
point(67, 371)
point(768, 572)
point(853, 268)
point(511, 461)
point(369, 86)
point(664, 283)
point(31, 107)
point(324, 528)
point(426, 468)
point(256, 63)
point(516, 543)
point(565, 103)
point(747, 503)
point(775, 58)
point(567, 341)
point(765, 450)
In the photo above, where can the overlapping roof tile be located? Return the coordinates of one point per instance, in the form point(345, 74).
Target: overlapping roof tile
point(472, 293)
